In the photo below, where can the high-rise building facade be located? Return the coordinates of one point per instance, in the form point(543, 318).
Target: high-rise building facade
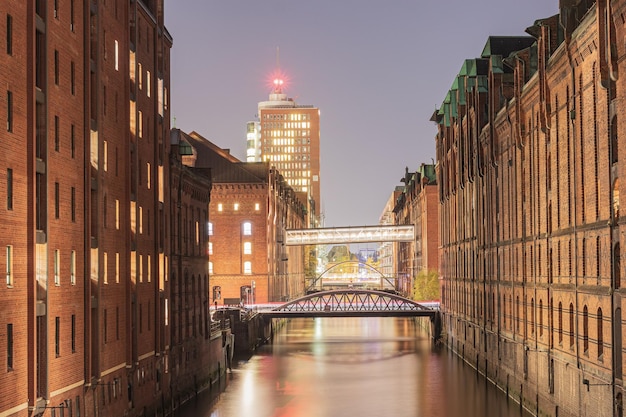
point(253, 142)
point(290, 142)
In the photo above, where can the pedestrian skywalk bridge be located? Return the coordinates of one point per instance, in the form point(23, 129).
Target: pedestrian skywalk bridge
point(360, 234)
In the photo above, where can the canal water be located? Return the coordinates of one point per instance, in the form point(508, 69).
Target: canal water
point(352, 367)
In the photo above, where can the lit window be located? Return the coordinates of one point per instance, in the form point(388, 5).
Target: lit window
point(73, 267)
point(210, 267)
point(247, 248)
point(148, 83)
point(236, 206)
point(117, 60)
point(210, 227)
point(210, 248)
point(140, 76)
point(117, 267)
point(219, 207)
point(57, 277)
point(9, 265)
point(117, 214)
point(105, 269)
point(247, 267)
point(257, 206)
point(247, 229)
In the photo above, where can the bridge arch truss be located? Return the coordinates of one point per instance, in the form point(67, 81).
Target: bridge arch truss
point(351, 303)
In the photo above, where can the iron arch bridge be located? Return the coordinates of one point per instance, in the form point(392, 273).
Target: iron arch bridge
point(351, 303)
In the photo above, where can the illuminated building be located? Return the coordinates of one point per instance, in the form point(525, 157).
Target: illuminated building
point(530, 151)
point(290, 142)
point(85, 224)
point(251, 206)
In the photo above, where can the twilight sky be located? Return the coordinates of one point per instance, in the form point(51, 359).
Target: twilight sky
point(376, 69)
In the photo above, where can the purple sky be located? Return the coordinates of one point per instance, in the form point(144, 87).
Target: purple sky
point(377, 69)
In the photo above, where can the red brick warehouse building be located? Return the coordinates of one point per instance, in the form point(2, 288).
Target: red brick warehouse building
point(251, 207)
point(530, 151)
point(85, 326)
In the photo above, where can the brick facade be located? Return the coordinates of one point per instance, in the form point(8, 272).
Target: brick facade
point(417, 205)
point(86, 313)
point(529, 153)
point(251, 207)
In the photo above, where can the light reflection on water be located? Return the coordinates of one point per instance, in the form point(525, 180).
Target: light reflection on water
point(353, 367)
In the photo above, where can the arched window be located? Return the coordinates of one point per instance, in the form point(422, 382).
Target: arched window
point(247, 267)
point(540, 318)
point(517, 315)
point(532, 316)
point(617, 268)
point(571, 326)
point(600, 334)
point(614, 141)
point(247, 248)
point(560, 318)
point(247, 228)
point(585, 330)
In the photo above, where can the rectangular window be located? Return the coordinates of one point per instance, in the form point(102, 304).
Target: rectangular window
point(236, 206)
point(73, 333)
point(104, 324)
point(210, 267)
point(57, 275)
point(9, 34)
point(57, 336)
point(148, 86)
point(117, 267)
point(56, 200)
point(9, 346)
point(105, 268)
point(210, 227)
point(139, 76)
point(117, 57)
point(140, 124)
point(73, 204)
point(9, 189)
point(56, 67)
point(9, 261)
point(257, 207)
point(9, 111)
point(247, 248)
point(105, 156)
point(247, 267)
point(72, 15)
point(73, 141)
point(149, 175)
point(117, 214)
point(56, 9)
point(247, 229)
point(73, 267)
point(56, 133)
point(220, 207)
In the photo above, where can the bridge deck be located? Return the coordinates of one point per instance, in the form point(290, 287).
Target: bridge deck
point(351, 303)
point(350, 313)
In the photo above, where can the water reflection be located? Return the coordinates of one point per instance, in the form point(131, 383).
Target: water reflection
point(353, 367)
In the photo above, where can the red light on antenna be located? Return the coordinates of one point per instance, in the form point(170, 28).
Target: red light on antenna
point(278, 80)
